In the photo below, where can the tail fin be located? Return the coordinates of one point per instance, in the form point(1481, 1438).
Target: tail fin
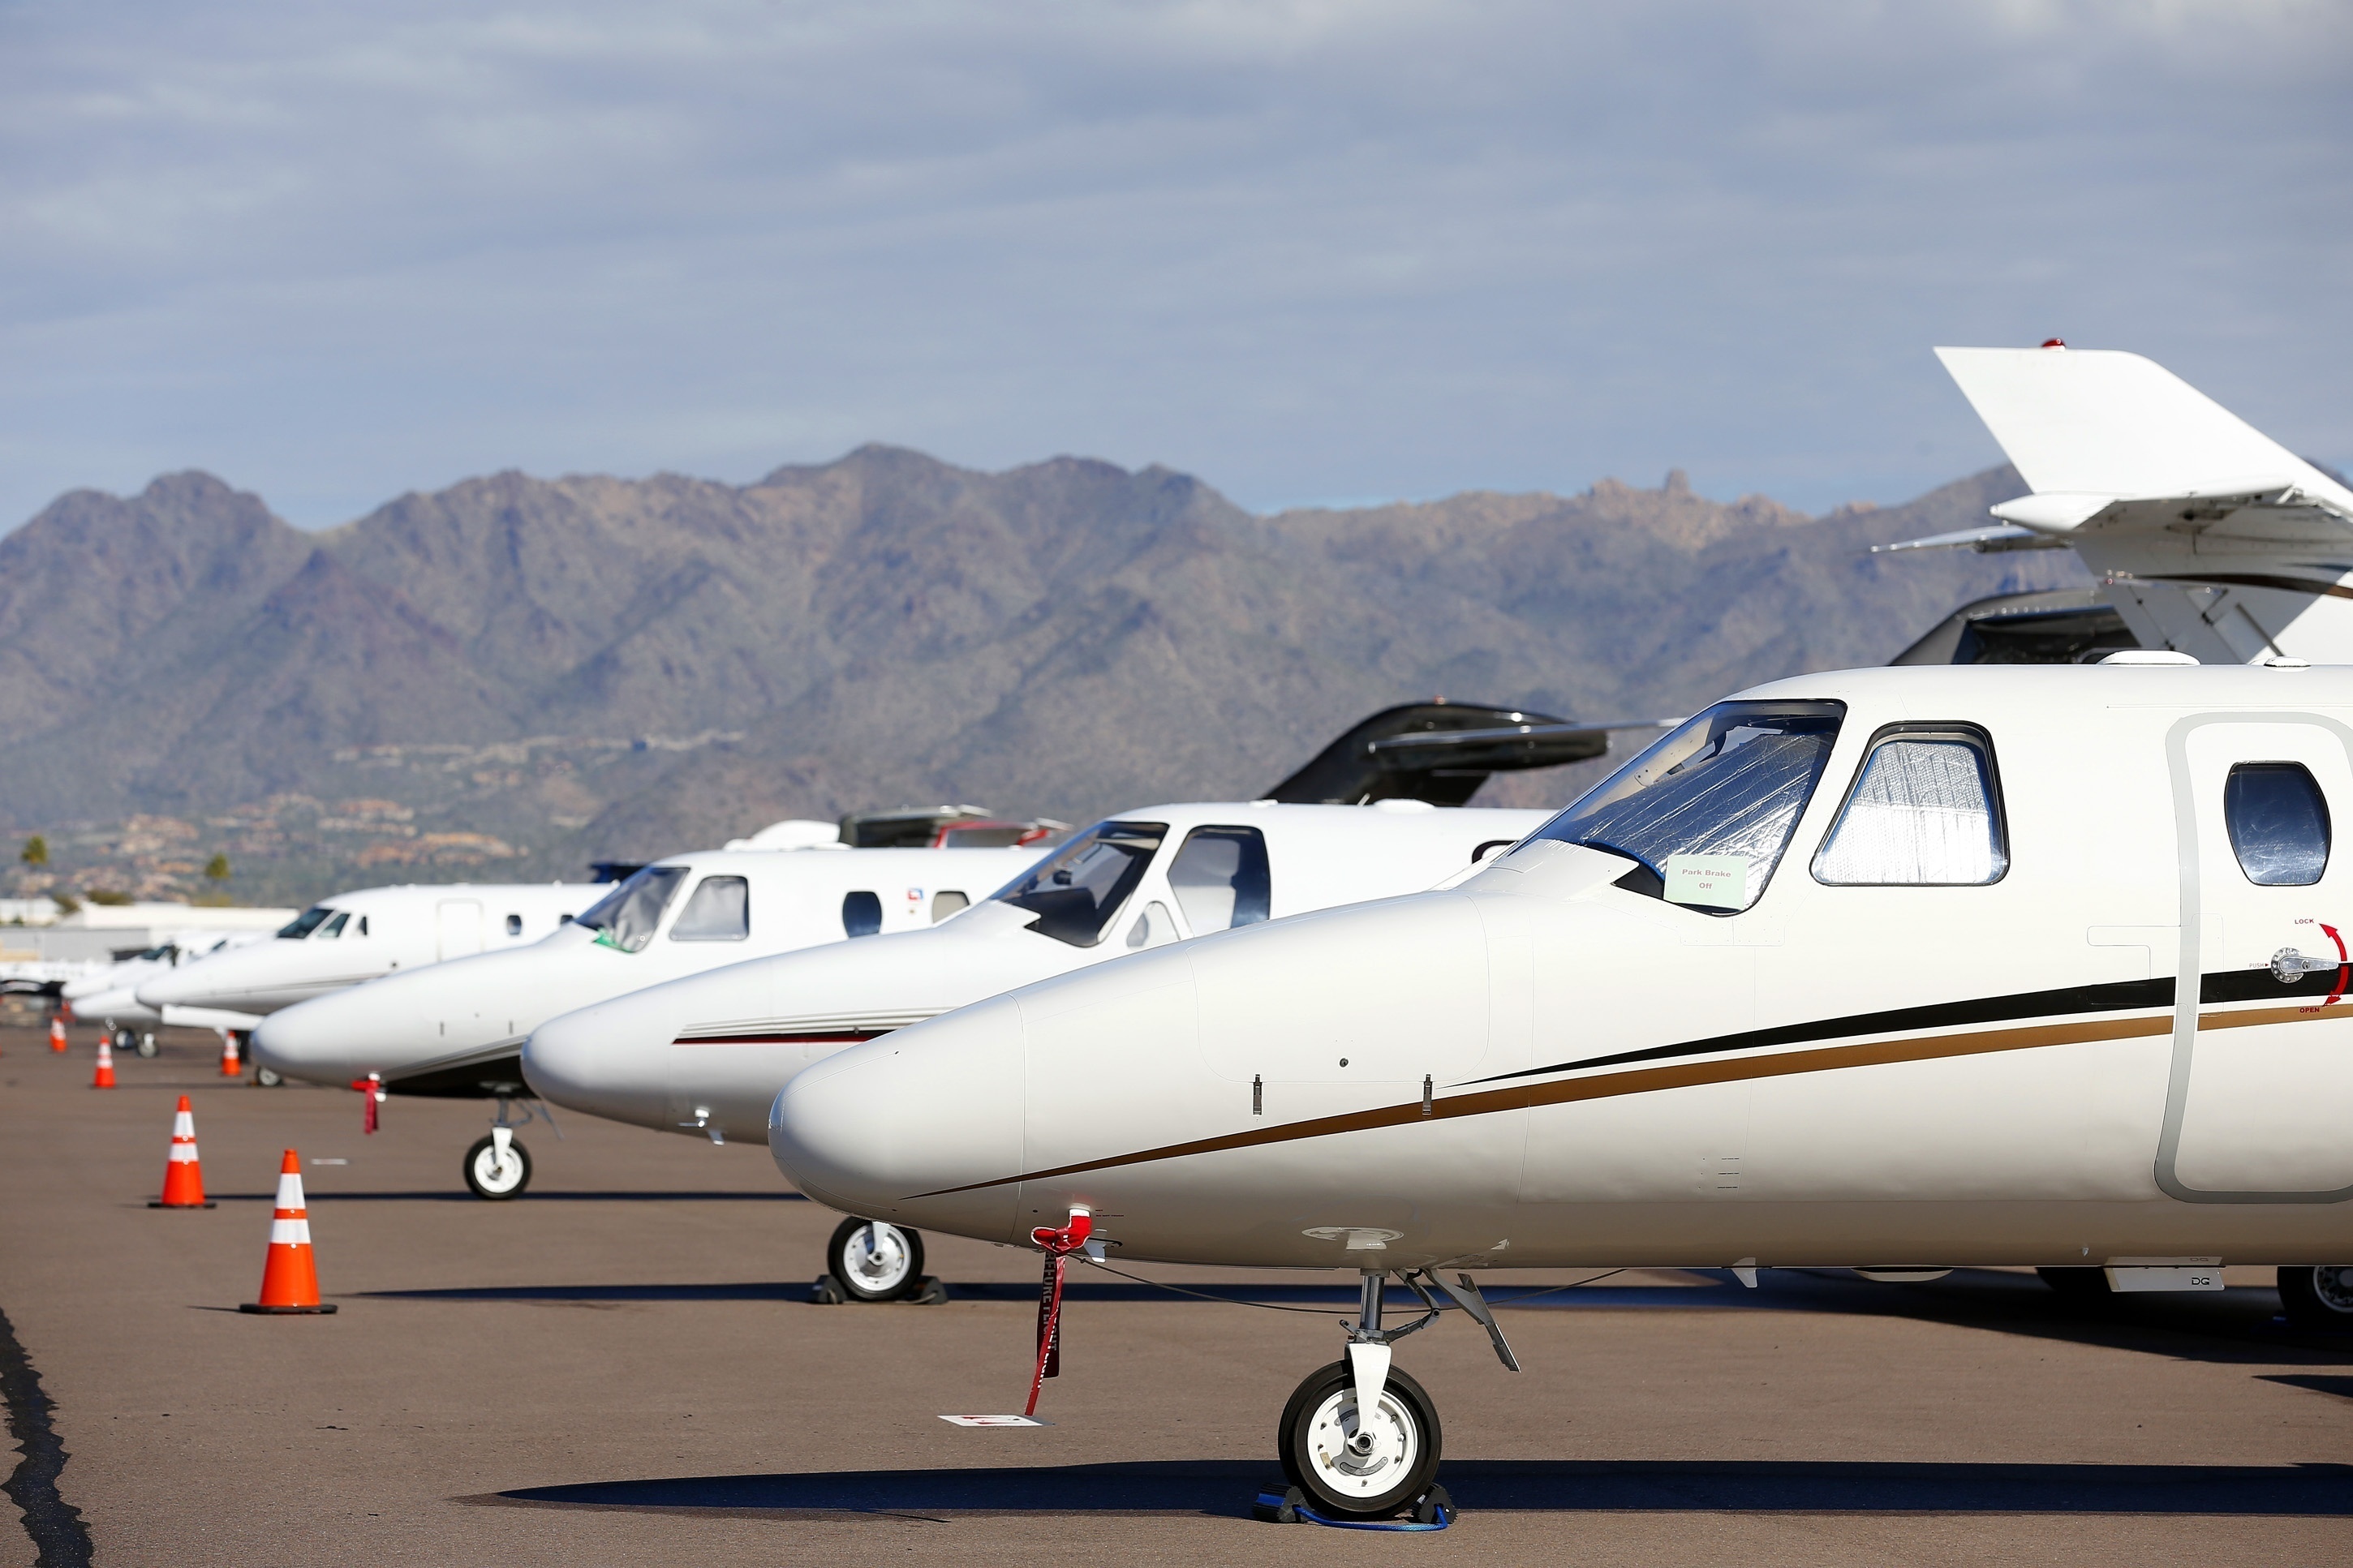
point(2099, 422)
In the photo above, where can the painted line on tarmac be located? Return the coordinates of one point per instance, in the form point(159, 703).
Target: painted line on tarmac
point(59, 1536)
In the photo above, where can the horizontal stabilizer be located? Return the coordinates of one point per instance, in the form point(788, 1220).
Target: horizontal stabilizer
point(2098, 422)
point(1984, 540)
point(1438, 752)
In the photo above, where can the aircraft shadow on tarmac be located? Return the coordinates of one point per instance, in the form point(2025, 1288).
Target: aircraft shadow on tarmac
point(317, 1196)
point(2239, 1325)
point(1226, 1487)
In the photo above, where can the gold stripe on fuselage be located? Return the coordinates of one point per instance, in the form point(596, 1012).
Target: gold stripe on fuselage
point(1685, 1075)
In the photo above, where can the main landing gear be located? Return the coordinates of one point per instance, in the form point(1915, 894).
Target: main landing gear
point(1360, 1438)
point(2318, 1297)
point(498, 1166)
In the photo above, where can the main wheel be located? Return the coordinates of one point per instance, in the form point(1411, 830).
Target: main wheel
point(488, 1177)
point(2077, 1283)
point(873, 1261)
point(1344, 1476)
point(2318, 1297)
point(147, 1045)
point(266, 1077)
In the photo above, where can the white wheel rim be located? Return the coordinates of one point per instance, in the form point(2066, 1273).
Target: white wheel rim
point(876, 1257)
point(2333, 1283)
point(1396, 1446)
point(495, 1177)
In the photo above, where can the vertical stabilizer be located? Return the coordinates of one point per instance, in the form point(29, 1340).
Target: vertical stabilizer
point(2100, 422)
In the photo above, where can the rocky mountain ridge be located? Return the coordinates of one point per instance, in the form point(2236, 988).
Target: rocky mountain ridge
point(598, 666)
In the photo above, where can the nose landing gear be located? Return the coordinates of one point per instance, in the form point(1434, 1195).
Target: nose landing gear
point(871, 1260)
point(1360, 1438)
point(497, 1166)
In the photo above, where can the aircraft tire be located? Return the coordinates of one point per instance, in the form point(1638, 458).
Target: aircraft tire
point(888, 1269)
point(1316, 1425)
point(2318, 1297)
point(483, 1176)
point(2076, 1284)
point(264, 1077)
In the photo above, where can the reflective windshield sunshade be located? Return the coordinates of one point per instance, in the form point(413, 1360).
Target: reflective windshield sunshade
point(1710, 809)
point(1922, 815)
point(626, 917)
point(1078, 893)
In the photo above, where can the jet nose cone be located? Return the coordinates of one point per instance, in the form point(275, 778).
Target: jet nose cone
point(313, 1039)
point(922, 1125)
point(611, 1059)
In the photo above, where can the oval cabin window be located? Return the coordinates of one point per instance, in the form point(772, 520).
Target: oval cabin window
point(861, 913)
point(2279, 823)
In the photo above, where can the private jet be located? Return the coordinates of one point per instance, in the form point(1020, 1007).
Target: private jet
point(111, 995)
point(1896, 970)
point(456, 1029)
point(358, 936)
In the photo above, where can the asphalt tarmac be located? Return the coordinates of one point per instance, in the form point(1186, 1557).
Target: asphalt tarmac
point(624, 1366)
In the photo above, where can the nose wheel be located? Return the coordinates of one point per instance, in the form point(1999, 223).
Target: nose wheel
point(1355, 1463)
point(497, 1166)
point(875, 1261)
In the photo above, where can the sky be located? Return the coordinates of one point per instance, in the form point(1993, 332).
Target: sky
point(1312, 251)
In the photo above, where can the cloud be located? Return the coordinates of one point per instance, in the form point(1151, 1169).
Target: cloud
point(1303, 249)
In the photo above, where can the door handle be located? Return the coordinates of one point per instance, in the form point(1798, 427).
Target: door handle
point(2288, 965)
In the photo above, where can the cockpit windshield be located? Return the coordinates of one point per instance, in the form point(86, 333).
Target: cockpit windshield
point(306, 922)
point(1076, 894)
point(1708, 810)
point(333, 928)
point(626, 917)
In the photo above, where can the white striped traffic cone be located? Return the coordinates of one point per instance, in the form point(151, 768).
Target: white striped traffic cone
point(183, 1175)
point(290, 1279)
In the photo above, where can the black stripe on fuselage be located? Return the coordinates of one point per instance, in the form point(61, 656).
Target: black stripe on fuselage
point(2116, 996)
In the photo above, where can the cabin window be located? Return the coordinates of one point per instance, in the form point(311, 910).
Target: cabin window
point(1078, 893)
point(720, 910)
point(626, 917)
point(1924, 812)
point(515, 925)
point(2279, 823)
point(1708, 811)
point(861, 913)
point(306, 922)
point(333, 928)
point(1221, 879)
point(946, 903)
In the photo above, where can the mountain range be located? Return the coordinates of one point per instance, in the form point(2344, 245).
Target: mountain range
point(596, 667)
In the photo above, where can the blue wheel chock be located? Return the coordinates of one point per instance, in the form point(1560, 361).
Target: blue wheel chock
point(1431, 1510)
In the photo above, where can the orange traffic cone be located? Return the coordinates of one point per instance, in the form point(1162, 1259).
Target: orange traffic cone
point(184, 1176)
point(57, 1033)
point(290, 1279)
point(104, 1077)
point(230, 1067)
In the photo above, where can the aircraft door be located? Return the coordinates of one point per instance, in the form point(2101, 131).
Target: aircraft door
point(2261, 1086)
point(457, 927)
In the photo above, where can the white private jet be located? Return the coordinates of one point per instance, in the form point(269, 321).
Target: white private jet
point(110, 997)
point(1882, 969)
point(2020, 966)
point(355, 937)
point(456, 1029)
